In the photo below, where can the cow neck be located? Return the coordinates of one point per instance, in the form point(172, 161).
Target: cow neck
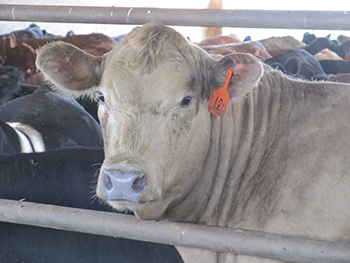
point(246, 133)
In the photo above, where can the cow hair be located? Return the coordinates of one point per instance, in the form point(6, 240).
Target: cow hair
point(149, 47)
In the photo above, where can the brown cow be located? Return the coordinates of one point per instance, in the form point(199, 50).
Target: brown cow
point(278, 161)
point(219, 40)
point(22, 56)
point(21, 53)
point(327, 54)
point(95, 44)
point(286, 42)
point(252, 47)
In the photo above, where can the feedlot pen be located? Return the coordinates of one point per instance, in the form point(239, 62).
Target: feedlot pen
point(252, 243)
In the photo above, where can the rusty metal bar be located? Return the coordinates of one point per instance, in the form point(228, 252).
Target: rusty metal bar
point(237, 241)
point(330, 20)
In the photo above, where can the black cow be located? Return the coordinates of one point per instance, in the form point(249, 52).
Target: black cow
point(11, 86)
point(10, 143)
point(10, 79)
point(331, 66)
point(342, 50)
point(61, 121)
point(308, 38)
point(64, 177)
point(298, 63)
point(33, 31)
point(318, 45)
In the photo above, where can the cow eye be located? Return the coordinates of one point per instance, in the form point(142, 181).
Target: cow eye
point(186, 101)
point(101, 97)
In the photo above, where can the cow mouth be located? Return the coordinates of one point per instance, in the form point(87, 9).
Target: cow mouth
point(126, 205)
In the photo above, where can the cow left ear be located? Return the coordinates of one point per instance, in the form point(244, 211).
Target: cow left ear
point(246, 73)
point(70, 69)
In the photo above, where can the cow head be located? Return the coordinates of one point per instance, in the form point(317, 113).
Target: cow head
point(153, 88)
point(22, 56)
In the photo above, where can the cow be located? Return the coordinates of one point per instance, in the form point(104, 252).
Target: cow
point(224, 141)
point(327, 54)
point(286, 42)
point(252, 47)
point(342, 39)
point(10, 79)
point(331, 66)
point(11, 87)
point(23, 57)
point(343, 50)
point(342, 77)
point(49, 118)
point(33, 31)
point(64, 177)
point(321, 43)
point(318, 44)
point(308, 38)
point(96, 44)
point(19, 138)
point(298, 63)
point(21, 52)
point(219, 40)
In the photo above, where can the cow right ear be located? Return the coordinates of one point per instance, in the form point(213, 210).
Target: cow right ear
point(70, 69)
point(246, 71)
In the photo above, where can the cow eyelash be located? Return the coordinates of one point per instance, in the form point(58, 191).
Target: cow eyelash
point(186, 101)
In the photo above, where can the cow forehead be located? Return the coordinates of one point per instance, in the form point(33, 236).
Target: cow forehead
point(152, 63)
point(169, 82)
point(161, 89)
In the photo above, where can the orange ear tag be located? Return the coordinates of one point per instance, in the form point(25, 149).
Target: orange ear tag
point(220, 98)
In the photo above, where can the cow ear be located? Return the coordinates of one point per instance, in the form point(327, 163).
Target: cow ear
point(10, 42)
point(246, 73)
point(69, 68)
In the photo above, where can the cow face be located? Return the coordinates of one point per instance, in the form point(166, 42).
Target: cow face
point(153, 88)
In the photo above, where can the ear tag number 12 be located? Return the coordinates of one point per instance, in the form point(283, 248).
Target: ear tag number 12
point(220, 98)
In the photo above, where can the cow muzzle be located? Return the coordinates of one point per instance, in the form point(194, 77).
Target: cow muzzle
point(120, 185)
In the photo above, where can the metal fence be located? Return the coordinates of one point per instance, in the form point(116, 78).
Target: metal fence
point(245, 242)
point(238, 241)
point(330, 20)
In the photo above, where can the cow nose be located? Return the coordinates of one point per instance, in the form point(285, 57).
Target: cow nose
point(120, 185)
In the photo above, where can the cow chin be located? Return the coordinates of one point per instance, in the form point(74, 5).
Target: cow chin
point(153, 210)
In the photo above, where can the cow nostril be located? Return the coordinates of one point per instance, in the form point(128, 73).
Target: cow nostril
point(139, 184)
point(119, 185)
point(107, 182)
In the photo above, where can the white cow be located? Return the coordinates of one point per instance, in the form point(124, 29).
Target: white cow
point(277, 161)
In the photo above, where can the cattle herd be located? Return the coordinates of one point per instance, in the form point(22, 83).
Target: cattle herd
point(245, 134)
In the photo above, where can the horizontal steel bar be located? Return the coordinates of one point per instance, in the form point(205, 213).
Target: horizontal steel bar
point(329, 20)
point(237, 241)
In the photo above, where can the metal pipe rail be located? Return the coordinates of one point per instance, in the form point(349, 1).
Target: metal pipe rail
point(237, 241)
point(328, 20)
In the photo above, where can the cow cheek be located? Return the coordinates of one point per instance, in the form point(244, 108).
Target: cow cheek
point(107, 127)
point(102, 114)
point(188, 143)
